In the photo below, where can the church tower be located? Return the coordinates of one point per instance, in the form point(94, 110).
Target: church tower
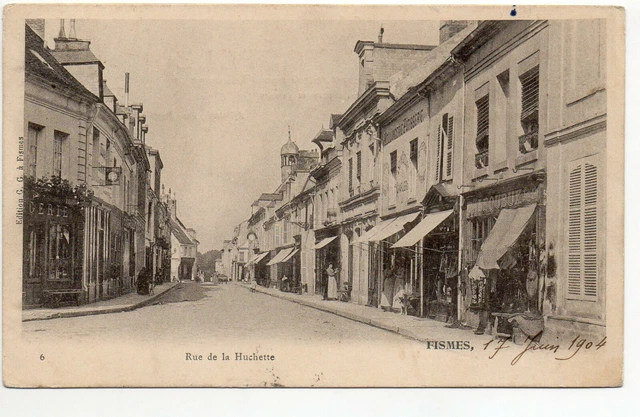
point(289, 154)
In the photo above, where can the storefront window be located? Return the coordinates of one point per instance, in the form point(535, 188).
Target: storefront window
point(480, 228)
point(59, 252)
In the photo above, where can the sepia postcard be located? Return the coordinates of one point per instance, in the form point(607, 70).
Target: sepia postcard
point(313, 196)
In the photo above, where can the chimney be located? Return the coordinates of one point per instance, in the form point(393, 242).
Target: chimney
point(37, 25)
point(448, 29)
point(61, 34)
point(126, 89)
point(72, 30)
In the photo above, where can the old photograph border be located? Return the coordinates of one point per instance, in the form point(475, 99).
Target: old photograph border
point(350, 364)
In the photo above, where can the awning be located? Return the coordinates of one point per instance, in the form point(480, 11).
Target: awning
point(426, 225)
point(289, 256)
point(280, 256)
point(394, 227)
point(324, 242)
point(508, 227)
point(374, 230)
point(258, 258)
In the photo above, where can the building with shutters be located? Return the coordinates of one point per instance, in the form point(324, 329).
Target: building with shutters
point(363, 168)
point(416, 242)
point(575, 138)
point(80, 176)
point(503, 219)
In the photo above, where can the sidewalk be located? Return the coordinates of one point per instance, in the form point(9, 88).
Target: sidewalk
point(125, 302)
point(420, 329)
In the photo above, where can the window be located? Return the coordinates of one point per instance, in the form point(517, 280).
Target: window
point(359, 167)
point(277, 233)
point(583, 237)
point(413, 172)
point(480, 228)
point(444, 149)
point(482, 132)
point(285, 231)
point(530, 85)
point(59, 139)
point(372, 159)
point(59, 252)
point(393, 178)
point(35, 133)
point(107, 155)
point(96, 148)
point(350, 173)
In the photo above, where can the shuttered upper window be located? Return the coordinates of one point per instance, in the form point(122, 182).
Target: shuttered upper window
point(444, 149)
point(530, 94)
point(482, 133)
point(582, 264)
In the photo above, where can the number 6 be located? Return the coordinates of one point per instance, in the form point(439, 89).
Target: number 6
point(41, 357)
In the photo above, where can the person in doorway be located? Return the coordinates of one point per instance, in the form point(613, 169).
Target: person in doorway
point(398, 289)
point(387, 289)
point(332, 284)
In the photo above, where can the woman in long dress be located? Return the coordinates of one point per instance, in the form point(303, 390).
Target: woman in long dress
point(387, 290)
point(332, 289)
point(398, 289)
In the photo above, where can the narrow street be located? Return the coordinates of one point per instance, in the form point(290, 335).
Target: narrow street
point(203, 313)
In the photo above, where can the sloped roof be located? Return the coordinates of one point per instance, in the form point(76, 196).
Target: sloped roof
point(436, 58)
point(106, 91)
point(76, 57)
point(179, 233)
point(39, 62)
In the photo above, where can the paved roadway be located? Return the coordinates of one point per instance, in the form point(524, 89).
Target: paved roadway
point(204, 312)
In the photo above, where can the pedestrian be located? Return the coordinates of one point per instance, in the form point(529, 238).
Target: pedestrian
point(143, 282)
point(332, 284)
point(253, 284)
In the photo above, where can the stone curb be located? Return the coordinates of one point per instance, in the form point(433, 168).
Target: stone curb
point(118, 309)
point(348, 315)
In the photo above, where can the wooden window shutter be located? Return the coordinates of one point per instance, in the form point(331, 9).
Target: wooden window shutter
point(582, 264)
point(449, 150)
point(350, 173)
point(439, 154)
point(530, 92)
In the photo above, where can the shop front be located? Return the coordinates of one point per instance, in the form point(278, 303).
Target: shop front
point(257, 268)
point(504, 256)
point(434, 244)
point(283, 269)
point(327, 251)
point(397, 268)
point(53, 249)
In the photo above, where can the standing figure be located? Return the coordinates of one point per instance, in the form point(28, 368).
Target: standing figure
point(398, 289)
point(387, 289)
point(332, 284)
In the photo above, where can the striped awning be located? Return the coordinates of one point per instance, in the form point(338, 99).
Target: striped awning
point(394, 227)
point(258, 258)
point(289, 256)
point(324, 242)
point(426, 225)
point(280, 256)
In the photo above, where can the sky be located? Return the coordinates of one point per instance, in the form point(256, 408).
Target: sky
point(219, 96)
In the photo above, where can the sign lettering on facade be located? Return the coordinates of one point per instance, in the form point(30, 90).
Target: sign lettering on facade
point(405, 125)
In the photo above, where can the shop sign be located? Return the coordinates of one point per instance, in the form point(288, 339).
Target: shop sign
point(494, 203)
point(49, 210)
point(405, 125)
